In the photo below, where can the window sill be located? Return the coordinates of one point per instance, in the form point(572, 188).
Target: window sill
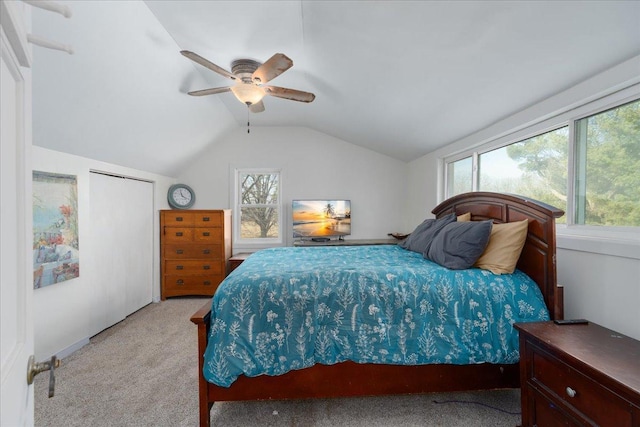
point(251, 247)
point(614, 243)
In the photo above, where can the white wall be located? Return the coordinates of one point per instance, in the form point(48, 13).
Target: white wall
point(64, 312)
point(602, 288)
point(314, 165)
point(602, 278)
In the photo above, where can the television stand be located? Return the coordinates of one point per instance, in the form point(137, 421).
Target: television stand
point(320, 239)
point(345, 242)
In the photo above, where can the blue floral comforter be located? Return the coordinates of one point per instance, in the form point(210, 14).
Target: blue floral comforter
point(290, 308)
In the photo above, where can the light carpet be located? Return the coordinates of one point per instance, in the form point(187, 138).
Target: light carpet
point(143, 372)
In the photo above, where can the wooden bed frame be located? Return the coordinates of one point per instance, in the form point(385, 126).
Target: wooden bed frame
point(538, 260)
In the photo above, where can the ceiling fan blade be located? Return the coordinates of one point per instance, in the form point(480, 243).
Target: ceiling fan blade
point(206, 63)
point(258, 107)
point(292, 94)
point(211, 91)
point(276, 65)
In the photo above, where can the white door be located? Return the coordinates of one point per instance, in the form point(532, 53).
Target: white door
point(16, 280)
point(122, 216)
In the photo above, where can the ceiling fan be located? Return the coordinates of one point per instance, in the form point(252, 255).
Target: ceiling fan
point(250, 77)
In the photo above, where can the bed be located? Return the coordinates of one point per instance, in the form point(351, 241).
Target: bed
point(382, 375)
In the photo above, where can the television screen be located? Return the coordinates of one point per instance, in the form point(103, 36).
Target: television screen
point(321, 218)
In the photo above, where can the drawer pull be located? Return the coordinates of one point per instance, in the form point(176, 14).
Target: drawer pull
point(179, 282)
point(205, 219)
point(178, 218)
point(179, 267)
point(206, 267)
point(179, 233)
point(206, 251)
point(179, 251)
point(207, 282)
point(206, 233)
point(571, 392)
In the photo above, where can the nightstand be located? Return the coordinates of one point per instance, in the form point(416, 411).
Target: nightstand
point(236, 260)
point(578, 375)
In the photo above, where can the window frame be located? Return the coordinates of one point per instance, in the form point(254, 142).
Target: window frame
point(614, 240)
point(256, 243)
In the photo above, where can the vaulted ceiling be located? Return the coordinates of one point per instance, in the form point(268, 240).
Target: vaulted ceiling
point(402, 78)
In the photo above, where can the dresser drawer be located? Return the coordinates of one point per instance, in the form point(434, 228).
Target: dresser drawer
point(209, 234)
point(179, 219)
point(191, 285)
point(192, 282)
point(178, 234)
point(196, 235)
point(184, 251)
point(194, 267)
point(208, 219)
point(581, 393)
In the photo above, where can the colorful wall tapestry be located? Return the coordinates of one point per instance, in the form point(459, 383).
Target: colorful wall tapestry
point(55, 228)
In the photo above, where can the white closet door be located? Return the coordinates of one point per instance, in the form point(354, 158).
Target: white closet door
point(122, 244)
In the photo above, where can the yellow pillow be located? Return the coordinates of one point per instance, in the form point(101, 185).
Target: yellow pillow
point(464, 217)
point(505, 245)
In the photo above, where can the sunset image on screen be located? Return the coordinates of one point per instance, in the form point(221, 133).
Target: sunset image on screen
point(321, 218)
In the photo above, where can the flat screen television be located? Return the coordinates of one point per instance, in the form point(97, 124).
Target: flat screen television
point(317, 219)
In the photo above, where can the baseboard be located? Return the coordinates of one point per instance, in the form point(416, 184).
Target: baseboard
point(72, 348)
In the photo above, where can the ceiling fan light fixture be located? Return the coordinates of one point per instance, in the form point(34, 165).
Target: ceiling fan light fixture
point(248, 93)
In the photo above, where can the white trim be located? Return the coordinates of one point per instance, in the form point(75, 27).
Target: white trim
point(253, 244)
point(599, 242)
point(13, 23)
point(68, 351)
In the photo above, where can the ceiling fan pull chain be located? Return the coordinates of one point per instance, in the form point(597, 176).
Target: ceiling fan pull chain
point(248, 118)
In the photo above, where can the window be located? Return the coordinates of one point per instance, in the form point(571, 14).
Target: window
point(607, 188)
point(588, 165)
point(460, 176)
point(257, 209)
point(536, 167)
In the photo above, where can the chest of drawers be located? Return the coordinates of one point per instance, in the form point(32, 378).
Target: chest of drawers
point(195, 251)
point(578, 375)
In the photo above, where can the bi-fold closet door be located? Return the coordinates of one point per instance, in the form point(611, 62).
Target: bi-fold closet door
point(122, 216)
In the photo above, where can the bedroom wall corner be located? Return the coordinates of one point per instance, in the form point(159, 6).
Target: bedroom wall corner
point(64, 313)
point(422, 185)
point(602, 288)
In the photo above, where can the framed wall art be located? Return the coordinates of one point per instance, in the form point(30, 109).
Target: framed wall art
point(55, 228)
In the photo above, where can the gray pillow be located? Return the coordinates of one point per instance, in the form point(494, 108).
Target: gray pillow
point(458, 245)
point(420, 240)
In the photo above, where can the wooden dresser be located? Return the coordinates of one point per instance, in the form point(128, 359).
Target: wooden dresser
point(195, 246)
point(578, 375)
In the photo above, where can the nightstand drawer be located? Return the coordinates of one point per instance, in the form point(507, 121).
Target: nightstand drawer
point(580, 392)
point(547, 413)
point(194, 267)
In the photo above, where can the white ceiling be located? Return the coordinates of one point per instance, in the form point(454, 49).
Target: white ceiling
point(402, 78)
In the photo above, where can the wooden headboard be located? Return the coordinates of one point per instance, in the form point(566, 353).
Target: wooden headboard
point(538, 257)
